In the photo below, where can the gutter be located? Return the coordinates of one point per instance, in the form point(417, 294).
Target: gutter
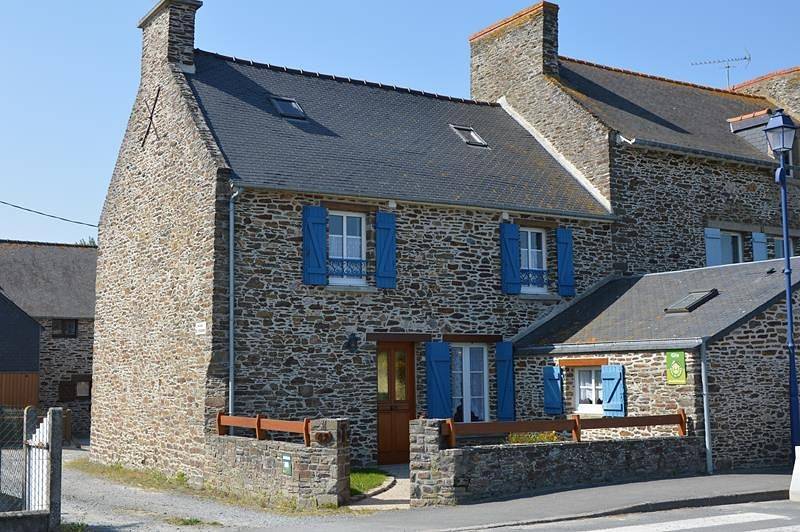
point(235, 190)
point(631, 345)
point(706, 416)
point(608, 218)
point(621, 140)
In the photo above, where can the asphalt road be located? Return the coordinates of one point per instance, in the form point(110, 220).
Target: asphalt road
point(778, 516)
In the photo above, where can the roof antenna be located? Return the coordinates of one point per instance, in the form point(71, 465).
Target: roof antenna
point(727, 64)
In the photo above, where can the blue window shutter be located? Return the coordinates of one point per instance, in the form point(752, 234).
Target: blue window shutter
point(510, 259)
point(504, 359)
point(759, 246)
point(437, 358)
point(613, 377)
point(713, 246)
point(553, 390)
point(566, 268)
point(386, 250)
point(315, 249)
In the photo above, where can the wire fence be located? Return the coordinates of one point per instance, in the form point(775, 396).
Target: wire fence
point(12, 460)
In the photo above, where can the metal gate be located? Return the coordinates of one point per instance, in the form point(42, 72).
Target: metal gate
point(30, 460)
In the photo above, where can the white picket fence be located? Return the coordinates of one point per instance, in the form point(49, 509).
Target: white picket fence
point(37, 467)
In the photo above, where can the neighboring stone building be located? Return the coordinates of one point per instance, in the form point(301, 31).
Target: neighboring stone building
point(657, 329)
point(386, 243)
point(54, 284)
point(673, 159)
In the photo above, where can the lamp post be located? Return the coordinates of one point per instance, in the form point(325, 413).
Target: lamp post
point(780, 131)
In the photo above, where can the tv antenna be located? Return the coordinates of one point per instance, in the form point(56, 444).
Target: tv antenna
point(727, 64)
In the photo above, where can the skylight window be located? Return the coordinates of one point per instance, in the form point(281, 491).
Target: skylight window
point(288, 107)
point(469, 136)
point(691, 301)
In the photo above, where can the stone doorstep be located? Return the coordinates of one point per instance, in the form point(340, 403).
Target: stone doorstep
point(388, 484)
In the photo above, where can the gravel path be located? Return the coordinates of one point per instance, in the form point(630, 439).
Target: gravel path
point(105, 505)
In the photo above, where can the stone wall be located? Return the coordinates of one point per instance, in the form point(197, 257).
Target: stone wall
point(475, 473)
point(290, 337)
point(66, 360)
point(664, 201)
point(749, 392)
point(160, 266)
point(782, 88)
point(319, 475)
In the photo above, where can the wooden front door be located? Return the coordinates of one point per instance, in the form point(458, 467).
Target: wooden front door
point(395, 400)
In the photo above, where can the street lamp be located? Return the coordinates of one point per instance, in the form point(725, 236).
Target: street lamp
point(780, 131)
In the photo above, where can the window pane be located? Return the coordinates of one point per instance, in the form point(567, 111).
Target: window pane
point(778, 248)
point(353, 248)
point(476, 359)
point(477, 412)
point(538, 259)
point(735, 243)
point(727, 248)
point(335, 223)
point(383, 376)
point(523, 239)
point(353, 226)
point(476, 384)
point(335, 246)
point(400, 376)
point(457, 380)
point(458, 411)
point(524, 262)
point(536, 242)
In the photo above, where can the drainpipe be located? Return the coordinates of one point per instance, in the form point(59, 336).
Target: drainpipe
point(231, 298)
point(706, 418)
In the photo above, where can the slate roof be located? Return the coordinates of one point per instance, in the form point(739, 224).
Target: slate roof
point(367, 140)
point(49, 280)
point(631, 309)
point(660, 110)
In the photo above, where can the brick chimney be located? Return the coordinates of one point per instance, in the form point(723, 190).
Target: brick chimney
point(513, 50)
point(168, 34)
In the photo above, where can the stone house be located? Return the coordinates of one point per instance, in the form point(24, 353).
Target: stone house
point(54, 285)
point(310, 245)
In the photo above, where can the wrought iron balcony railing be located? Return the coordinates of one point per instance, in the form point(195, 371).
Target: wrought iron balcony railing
point(347, 268)
point(533, 277)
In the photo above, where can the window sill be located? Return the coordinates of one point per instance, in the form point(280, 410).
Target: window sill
point(532, 296)
point(589, 415)
point(357, 288)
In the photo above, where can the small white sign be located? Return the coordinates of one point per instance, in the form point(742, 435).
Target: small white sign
point(199, 328)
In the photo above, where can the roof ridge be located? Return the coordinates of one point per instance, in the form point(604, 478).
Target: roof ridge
point(660, 78)
point(345, 79)
point(768, 75)
point(37, 243)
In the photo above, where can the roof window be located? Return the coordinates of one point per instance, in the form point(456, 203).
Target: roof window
point(691, 301)
point(469, 136)
point(288, 107)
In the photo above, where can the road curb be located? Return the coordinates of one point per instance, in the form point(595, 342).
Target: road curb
point(716, 500)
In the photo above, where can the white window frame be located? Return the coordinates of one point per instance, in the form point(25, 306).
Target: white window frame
point(582, 408)
point(466, 382)
point(775, 240)
point(534, 289)
point(351, 281)
point(741, 247)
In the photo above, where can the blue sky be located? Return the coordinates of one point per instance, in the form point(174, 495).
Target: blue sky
point(70, 69)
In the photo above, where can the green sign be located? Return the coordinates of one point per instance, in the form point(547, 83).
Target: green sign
point(676, 367)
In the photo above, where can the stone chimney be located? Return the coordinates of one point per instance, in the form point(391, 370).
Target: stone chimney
point(514, 50)
point(168, 34)
point(781, 87)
